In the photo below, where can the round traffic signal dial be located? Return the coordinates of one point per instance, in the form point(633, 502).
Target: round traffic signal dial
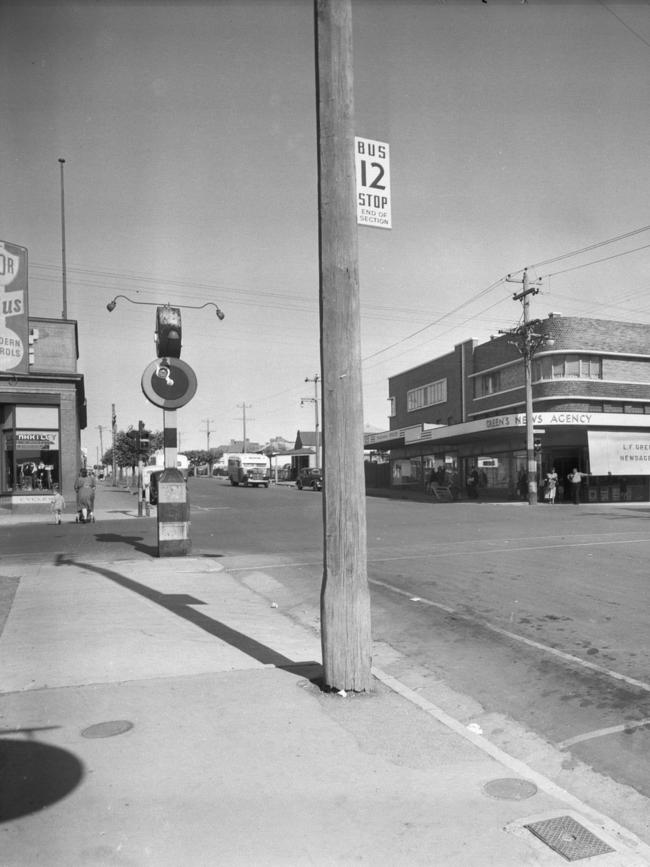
point(169, 383)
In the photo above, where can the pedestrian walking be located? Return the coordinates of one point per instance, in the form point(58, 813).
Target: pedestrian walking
point(550, 486)
point(85, 490)
point(57, 504)
point(575, 478)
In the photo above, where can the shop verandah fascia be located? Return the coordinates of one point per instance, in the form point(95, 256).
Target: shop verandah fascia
point(613, 448)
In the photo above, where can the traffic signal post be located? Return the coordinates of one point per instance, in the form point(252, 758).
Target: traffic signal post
point(169, 384)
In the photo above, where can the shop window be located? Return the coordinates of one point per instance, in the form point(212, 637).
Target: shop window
point(407, 472)
point(30, 450)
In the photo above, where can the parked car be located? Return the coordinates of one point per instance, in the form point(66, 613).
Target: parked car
point(310, 477)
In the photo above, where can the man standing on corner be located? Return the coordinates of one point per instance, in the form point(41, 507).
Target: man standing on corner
point(576, 478)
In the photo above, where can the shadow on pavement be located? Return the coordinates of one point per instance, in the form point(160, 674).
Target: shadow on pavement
point(134, 541)
point(181, 604)
point(34, 775)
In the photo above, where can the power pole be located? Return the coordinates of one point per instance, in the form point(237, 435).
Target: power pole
point(528, 342)
point(243, 407)
point(101, 429)
point(207, 422)
point(114, 431)
point(345, 598)
point(64, 313)
point(314, 400)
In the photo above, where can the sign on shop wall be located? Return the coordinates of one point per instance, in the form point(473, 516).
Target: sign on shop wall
point(39, 440)
point(14, 319)
point(619, 453)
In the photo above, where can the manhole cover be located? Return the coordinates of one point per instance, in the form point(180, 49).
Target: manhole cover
point(107, 729)
point(510, 789)
point(568, 838)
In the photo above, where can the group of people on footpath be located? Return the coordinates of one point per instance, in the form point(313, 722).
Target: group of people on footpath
point(84, 488)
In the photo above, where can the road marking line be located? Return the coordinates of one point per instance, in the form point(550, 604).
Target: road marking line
point(511, 549)
point(566, 657)
point(601, 733)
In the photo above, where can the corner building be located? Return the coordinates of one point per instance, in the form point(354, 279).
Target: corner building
point(42, 413)
point(466, 410)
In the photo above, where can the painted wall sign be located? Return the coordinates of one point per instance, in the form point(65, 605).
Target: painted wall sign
point(619, 453)
point(39, 440)
point(14, 319)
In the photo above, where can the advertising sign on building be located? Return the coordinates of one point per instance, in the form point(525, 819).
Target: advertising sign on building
point(372, 168)
point(40, 440)
point(619, 453)
point(14, 321)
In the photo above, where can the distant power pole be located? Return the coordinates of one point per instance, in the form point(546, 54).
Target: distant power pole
point(315, 379)
point(101, 429)
point(345, 598)
point(243, 407)
point(114, 431)
point(207, 422)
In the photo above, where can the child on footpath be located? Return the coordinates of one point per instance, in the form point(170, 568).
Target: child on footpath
point(57, 505)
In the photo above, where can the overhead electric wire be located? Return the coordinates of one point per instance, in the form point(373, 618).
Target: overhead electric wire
point(587, 249)
point(596, 261)
point(436, 321)
point(625, 24)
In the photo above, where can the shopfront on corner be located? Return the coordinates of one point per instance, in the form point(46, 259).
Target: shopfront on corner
point(42, 398)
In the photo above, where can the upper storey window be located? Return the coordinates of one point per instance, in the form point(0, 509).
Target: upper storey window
point(488, 383)
point(569, 367)
point(426, 395)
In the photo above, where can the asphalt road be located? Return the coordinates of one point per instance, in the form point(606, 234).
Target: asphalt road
point(530, 621)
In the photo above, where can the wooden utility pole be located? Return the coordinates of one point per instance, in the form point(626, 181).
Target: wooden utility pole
point(243, 407)
point(345, 599)
point(528, 343)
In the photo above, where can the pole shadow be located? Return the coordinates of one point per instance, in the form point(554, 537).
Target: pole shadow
point(136, 542)
point(181, 605)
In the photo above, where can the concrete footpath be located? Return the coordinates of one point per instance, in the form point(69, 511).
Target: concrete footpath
point(162, 712)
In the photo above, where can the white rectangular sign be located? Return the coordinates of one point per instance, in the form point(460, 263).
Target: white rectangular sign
point(619, 453)
point(372, 169)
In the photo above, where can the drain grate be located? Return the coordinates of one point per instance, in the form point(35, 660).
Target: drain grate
point(568, 838)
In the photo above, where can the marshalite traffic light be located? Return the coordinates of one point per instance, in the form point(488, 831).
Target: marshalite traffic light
point(168, 332)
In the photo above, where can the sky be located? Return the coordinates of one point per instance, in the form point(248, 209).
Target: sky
point(518, 133)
